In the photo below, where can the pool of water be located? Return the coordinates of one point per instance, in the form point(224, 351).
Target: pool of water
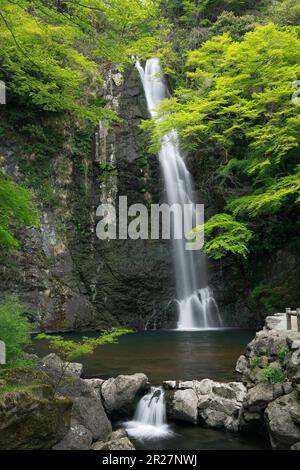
point(174, 355)
point(166, 355)
point(191, 437)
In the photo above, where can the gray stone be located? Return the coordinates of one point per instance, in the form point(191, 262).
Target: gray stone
point(277, 322)
point(282, 429)
point(295, 446)
point(203, 387)
point(295, 359)
point(122, 443)
point(90, 413)
point(169, 384)
point(78, 438)
point(53, 365)
point(184, 406)
point(119, 393)
point(242, 365)
point(259, 396)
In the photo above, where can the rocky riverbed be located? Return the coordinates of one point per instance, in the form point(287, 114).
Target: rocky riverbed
point(40, 409)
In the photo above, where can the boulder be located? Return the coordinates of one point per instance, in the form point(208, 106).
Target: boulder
point(219, 404)
point(283, 431)
point(259, 396)
point(89, 412)
point(52, 365)
point(295, 446)
point(242, 365)
point(119, 393)
point(78, 438)
point(121, 443)
point(183, 405)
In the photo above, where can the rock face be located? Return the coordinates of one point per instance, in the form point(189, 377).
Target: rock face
point(119, 394)
point(65, 275)
point(30, 416)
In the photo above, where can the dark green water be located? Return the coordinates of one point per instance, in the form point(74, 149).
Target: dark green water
point(166, 355)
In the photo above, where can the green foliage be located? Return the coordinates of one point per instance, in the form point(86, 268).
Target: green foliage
point(283, 353)
point(14, 331)
point(50, 50)
point(16, 209)
point(263, 297)
point(224, 235)
point(69, 350)
point(271, 374)
point(237, 103)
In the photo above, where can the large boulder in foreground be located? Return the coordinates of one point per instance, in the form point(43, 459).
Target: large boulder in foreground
point(119, 393)
point(281, 419)
point(31, 417)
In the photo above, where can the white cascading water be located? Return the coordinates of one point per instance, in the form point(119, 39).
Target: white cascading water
point(197, 307)
point(150, 419)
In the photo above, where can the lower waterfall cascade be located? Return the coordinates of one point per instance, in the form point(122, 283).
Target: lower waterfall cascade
point(150, 418)
point(196, 304)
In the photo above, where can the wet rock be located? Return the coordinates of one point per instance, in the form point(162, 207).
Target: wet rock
point(242, 365)
point(78, 438)
point(119, 393)
point(282, 429)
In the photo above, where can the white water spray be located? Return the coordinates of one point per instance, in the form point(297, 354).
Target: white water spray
point(150, 419)
point(196, 305)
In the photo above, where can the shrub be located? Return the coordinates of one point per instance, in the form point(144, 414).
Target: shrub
point(14, 331)
point(272, 375)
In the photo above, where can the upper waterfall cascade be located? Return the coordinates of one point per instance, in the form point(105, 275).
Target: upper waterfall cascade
point(196, 305)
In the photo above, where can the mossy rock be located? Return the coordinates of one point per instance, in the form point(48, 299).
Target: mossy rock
point(24, 376)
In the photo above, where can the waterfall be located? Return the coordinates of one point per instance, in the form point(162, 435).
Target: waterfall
point(150, 419)
point(196, 305)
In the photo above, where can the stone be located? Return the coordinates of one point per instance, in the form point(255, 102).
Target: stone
point(122, 443)
point(295, 446)
point(119, 393)
point(295, 359)
point(52, 365)
point(277, 390)
point(78, 438)
point(184, 406)
point(259, 396)
point(169, 384)
point(89, 412)
point(242, 365)
point(203, 387)
point(287, 387)
point(282, 429)
point(295, 414)
point(277, 322)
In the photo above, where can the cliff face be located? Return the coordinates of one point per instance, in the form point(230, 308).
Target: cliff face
point(63, 274)
point(69, 279)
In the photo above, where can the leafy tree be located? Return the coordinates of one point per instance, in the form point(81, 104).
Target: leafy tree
point(16, 209)
point(14, 331)
point(68, 350)
point(238, 104)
